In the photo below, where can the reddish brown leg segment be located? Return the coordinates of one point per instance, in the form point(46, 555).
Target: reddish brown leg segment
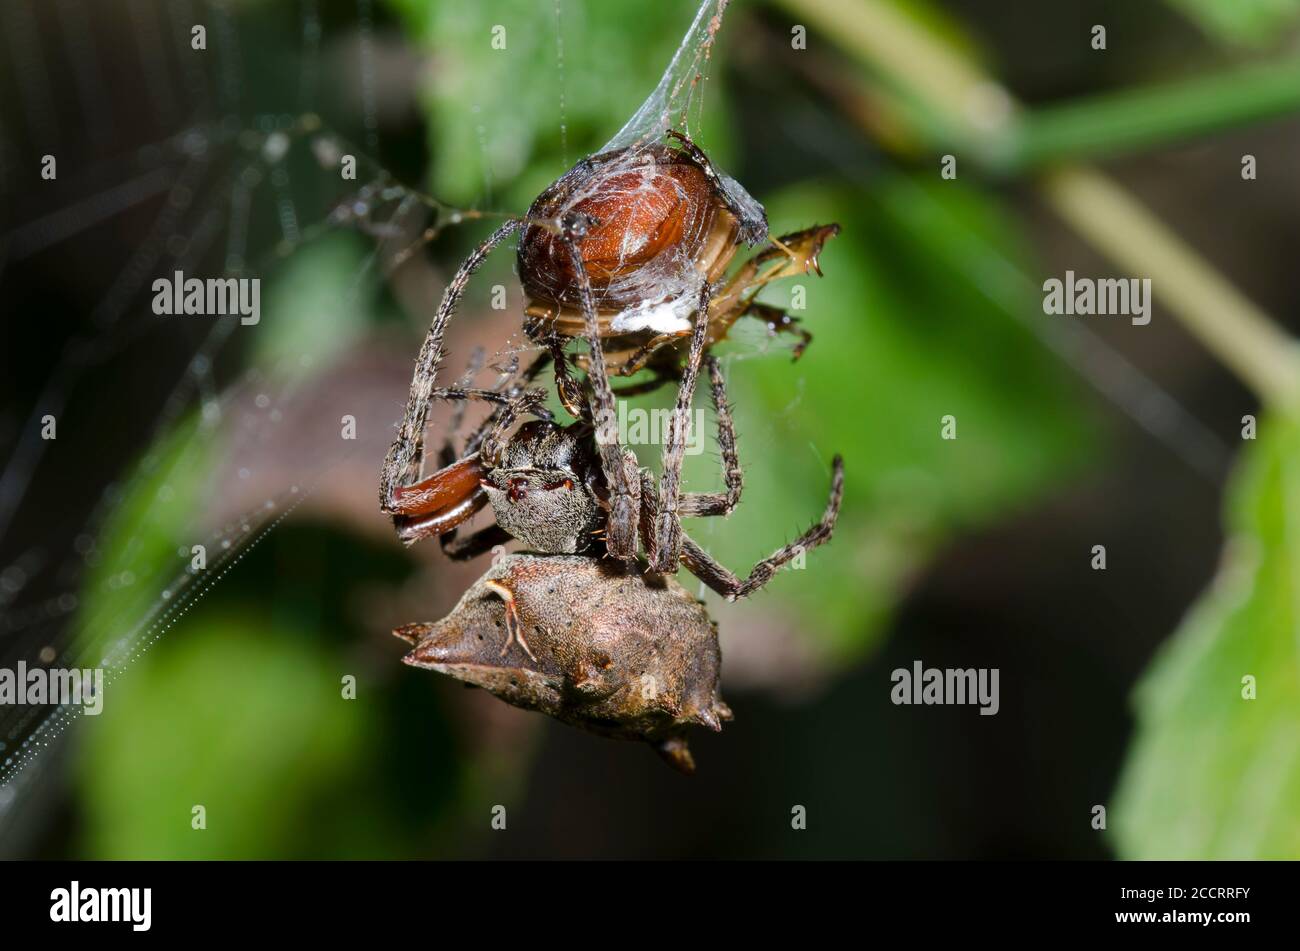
point(446, 487)
point(411, 528)
point(436, 505)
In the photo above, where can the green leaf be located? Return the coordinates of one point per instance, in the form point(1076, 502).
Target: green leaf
point(233, 717)
point(318, 304)
point(240, 709)
point(920, 315)
point(315, 309)
point(224, 688)
point(1247, 22)
point(143, 553)
point(1211, 774)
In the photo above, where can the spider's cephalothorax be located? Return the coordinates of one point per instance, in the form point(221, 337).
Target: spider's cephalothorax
point(544, 489)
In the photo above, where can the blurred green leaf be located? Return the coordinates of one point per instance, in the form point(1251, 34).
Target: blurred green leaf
point(318, 304)
point(239, 708)
point(940, 23)
point(1248, 22)
point(314, 310)
point(504, 123)
point(234, 717)
point(1147, 117)
point(1212, 775)
point(139, 562)
point(912, 322)
point(236, 703)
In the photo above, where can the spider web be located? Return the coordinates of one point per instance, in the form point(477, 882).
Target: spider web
point(210, 182)
point(680, 92)
point(207, 177)
point(205, 173)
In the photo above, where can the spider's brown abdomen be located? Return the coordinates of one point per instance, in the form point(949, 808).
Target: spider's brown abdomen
point(659, 228)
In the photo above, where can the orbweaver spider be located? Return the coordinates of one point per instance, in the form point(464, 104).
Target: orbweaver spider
point(548, 488)
point(658, 227)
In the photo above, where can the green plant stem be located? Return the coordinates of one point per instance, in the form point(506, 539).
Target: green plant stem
point(1230, 326)
point(979, 110)
point(1135, 119)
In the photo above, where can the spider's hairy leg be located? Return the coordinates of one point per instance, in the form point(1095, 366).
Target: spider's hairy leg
point(663, 374)
point(799, 252)
point(509, 388)
point(718, 503)
point(720, 579)
point(618, 465)
point(404, 457)
point(439, 502)
point(649, 509)
point(503, 400)
point(447, 452)
point(668, 528)
point(516, 386)
point(529, 401)
point(637, 360)
point(570, 391)
point(480, 543)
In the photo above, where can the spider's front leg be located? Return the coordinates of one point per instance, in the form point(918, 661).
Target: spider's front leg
point(517, 387)
point(718, 503)
point(714, 574)
point(479, 543)
point(403, 460)
point(618, 465)
point(779, 322)
point(667, 549)
point(513, 399)
point(439, 503)
point(572, 396)
point(530, 402)
point(787, 256)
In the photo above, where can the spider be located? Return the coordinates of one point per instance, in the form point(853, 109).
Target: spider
point(671, 223)
point(660, 227)
point(550, 488)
